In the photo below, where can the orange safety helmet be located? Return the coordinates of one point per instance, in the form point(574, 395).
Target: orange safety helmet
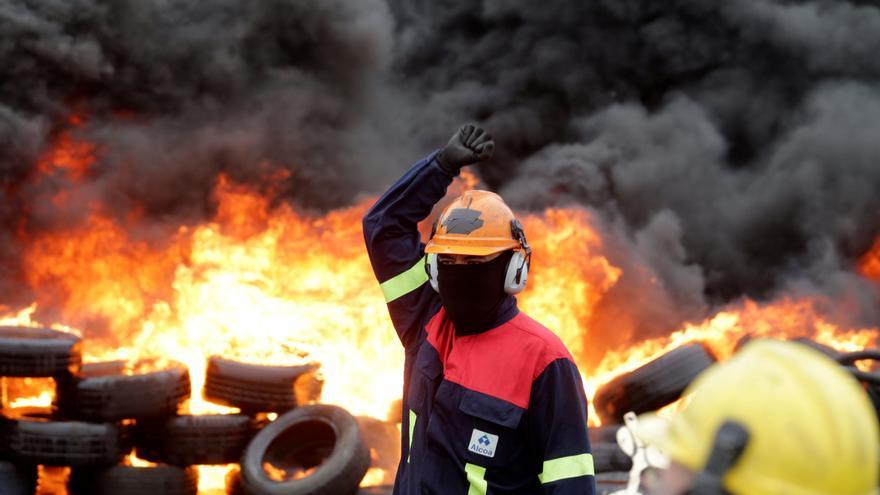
point(478, 223)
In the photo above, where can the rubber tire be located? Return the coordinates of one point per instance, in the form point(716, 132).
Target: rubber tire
point(102, 368)
point(128, 480)
point(339, 474)
point(608, 458)
point(116, 397)
point(30, 435)
point(851, 358)
point(189, 440)
point(652, 386)
point(256, 388)
point(17, 479)
point(38, 352)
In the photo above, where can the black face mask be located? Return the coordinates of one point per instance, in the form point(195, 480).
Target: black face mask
point(473, 295)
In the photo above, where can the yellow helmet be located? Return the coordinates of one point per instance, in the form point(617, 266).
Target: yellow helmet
point(478, 223)
point(811, 428)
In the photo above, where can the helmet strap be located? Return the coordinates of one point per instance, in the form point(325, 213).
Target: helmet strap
point(518, 233)
point(730, 443)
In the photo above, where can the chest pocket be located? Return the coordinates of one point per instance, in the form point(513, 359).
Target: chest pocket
point(428, 370)
point(494, 436)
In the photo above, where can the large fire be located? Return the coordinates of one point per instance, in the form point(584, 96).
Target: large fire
point(870, 262)
point(270, 284)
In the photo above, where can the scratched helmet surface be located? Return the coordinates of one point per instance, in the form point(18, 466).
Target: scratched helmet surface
point(477, 224)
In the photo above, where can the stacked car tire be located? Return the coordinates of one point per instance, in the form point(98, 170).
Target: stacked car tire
point(312, 449)
point(89, 428)
point(31, 436)
point(102, 413)
point(106, 393)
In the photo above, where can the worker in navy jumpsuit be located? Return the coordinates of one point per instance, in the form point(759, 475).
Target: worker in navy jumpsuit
point(498, 412)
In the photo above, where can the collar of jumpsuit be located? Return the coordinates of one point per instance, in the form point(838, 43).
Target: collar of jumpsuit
point(473, 294)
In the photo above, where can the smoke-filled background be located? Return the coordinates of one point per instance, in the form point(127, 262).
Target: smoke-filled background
point(730, 147)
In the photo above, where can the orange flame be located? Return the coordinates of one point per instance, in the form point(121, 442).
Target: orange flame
point(69, 155)
point(869, 265)
point(271, 285)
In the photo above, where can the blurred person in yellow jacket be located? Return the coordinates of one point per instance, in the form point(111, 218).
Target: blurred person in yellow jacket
point(778, 418)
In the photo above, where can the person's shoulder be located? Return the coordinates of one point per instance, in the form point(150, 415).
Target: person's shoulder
point(503, 363)
point(540, 340)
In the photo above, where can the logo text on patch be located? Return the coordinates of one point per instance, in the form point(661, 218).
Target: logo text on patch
point(483, 443)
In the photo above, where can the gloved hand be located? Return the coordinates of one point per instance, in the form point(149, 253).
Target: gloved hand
point(470, 144)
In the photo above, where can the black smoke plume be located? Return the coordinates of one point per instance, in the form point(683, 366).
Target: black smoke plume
point(731, 147)
point(175, 93)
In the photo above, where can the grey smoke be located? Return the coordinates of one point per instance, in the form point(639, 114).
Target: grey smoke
point(175, 93)
point(732, 144)
point(730, 148)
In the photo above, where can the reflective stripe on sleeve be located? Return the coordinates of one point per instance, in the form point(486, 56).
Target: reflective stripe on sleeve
point(405, 282)
point(567, 467)
point(476, 477)
point(412, 426)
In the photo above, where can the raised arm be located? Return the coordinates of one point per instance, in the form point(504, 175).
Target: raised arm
point(391, 230)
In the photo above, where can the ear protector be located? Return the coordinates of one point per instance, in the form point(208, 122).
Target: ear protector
point(431, 269)
point(517, 272)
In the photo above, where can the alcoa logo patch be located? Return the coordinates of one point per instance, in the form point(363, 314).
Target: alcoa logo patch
point(483, 443)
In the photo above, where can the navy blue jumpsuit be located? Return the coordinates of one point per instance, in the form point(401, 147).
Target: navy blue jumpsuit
point(498, 412)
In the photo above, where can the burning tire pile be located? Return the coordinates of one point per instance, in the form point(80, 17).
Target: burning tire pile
point(103, 412)
point(660, 383)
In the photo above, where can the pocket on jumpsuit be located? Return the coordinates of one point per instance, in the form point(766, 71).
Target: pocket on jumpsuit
point(493, 437)
point(424, 381)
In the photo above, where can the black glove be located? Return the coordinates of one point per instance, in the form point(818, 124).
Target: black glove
point(471, 144)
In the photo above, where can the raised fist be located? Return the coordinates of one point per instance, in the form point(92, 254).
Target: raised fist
point(470, 144)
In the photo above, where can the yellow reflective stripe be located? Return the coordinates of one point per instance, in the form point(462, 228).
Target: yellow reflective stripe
point(412, 426)
point(476, 477)
point(406, 282)
point(567, 467)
